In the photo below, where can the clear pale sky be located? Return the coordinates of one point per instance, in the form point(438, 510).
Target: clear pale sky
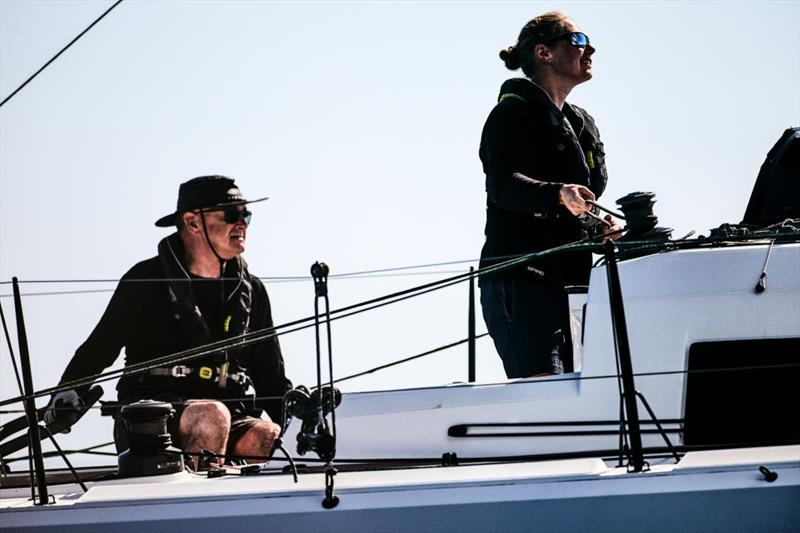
point(361, 121)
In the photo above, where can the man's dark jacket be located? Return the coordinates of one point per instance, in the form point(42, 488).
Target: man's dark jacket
point(153, 313)
point(529, 149)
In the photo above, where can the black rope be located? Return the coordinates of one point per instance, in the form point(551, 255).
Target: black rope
point(64, 456)
point(267, 333)
point(631, 246)
point(73, 41)
point(407, 359)
point(242, 341)
point(10, 348)
point(542, 380)
point(271, 281)
point(90, 450)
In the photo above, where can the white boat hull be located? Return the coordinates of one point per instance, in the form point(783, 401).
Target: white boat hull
point(708, 491)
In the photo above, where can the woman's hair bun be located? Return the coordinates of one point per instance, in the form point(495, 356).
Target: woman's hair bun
point(510, 57)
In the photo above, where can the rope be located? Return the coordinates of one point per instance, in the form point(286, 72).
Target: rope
point(387, 272)
point(242, 341)
point(378, 272)
point(267, 333)
point(539, 381)
point(10, 348)
point(73, 41)
point(407, 359)
point(91, 450)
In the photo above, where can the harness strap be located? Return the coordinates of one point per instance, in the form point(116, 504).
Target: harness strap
point(209, 373)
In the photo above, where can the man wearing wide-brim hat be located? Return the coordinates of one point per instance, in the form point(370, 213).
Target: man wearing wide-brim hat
point(196, 291)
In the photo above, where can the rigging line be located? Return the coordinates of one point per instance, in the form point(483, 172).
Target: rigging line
point(244, 340)
point(234, 342)
point(58, 293)
point(274, 279)
point(73, 41)
point(10, 348)
point(271, 282)
point(90, 450)
point(521, 381)
point(407, 359)
point(628, 246)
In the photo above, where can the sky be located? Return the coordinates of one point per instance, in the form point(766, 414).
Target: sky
point(361, 122)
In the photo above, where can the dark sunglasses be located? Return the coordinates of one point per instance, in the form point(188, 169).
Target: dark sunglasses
point(232, 215)
point(576, 38)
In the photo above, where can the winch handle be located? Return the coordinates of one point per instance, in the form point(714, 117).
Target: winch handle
point(602, 208)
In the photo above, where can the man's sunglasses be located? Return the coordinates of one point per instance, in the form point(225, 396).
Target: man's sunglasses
point(232, 215)
point(576, 38)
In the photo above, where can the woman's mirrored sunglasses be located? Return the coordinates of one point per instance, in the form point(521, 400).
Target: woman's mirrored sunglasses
point(576, 38)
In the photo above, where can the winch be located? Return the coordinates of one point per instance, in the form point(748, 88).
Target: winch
point(150, 450)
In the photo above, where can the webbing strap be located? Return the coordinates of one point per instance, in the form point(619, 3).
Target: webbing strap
point(510, 95)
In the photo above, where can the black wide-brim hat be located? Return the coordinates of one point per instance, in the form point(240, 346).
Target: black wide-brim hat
point(205, 192)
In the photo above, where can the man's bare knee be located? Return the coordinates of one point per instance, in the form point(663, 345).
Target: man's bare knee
point(258, 440)
point(204, 425)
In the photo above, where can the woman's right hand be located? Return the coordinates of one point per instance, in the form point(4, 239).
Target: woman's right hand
point(574, 197)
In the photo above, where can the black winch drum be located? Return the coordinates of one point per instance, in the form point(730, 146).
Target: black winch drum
point(151, 452)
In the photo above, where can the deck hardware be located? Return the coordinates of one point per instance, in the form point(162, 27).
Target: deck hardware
point(215, 472)
point(450, 459)
point(250, 470)
point(150, 451)
point(330, 500)
point(761, 284)
point(769, 475)
point(640, 221)
point(313, 407)
point(329, 396)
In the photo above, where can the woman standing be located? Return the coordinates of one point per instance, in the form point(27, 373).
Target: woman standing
point(543, 159)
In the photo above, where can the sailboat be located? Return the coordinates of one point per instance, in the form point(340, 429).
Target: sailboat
point(679, 413)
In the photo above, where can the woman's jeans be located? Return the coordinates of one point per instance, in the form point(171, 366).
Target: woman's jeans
point(526, 318)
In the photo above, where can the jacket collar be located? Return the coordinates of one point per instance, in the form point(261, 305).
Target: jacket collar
point(529, 91)
point(173, 259)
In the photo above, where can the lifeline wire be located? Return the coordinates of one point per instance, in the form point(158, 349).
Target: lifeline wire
point(235, 342)
point(265, 279)
point(539, 381)
point(73, 41)
point(627, 246)
point(267, 333)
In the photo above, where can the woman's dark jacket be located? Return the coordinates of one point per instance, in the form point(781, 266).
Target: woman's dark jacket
point(153, 313)
point(529, 149)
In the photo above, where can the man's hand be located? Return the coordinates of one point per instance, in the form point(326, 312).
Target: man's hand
point(60, 404)
point(574, 197)
point(612, 226)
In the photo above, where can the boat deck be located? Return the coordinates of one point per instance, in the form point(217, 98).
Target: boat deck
point(466, 497)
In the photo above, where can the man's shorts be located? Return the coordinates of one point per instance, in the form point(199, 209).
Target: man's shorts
point(242, 420)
